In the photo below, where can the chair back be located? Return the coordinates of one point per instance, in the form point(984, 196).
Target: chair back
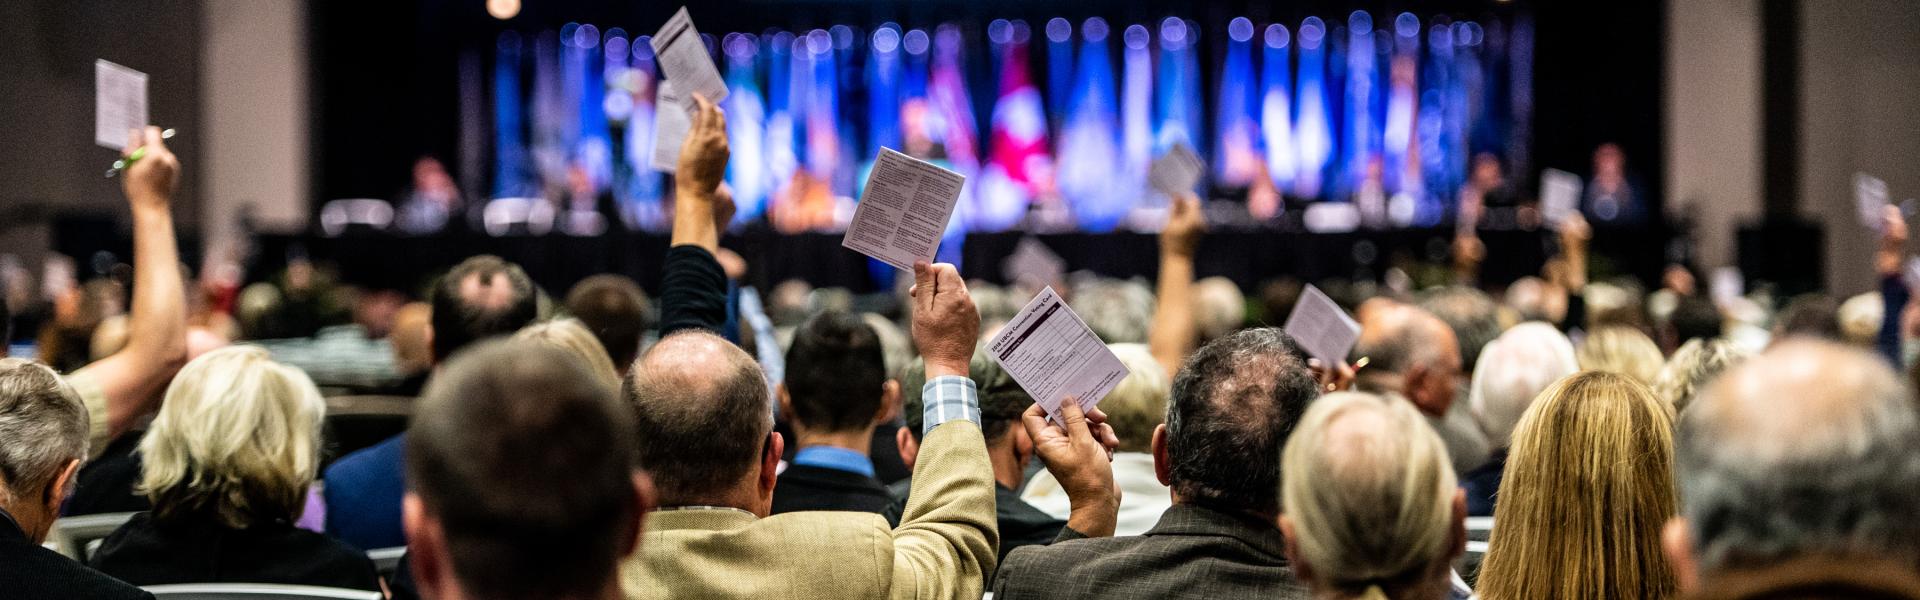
point(386, 560)
point(255, 591)
point(71, 536)
point(356, 422)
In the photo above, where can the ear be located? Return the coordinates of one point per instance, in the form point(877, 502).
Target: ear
point(1677, 541)
point(1459, 544)
point(1022, 445)
point(889, 403)
point(770, 470)
point(643, 502)
point(61, 484)
point(1162, 464)
point(425, 546)
point(909, 449)
point(786, 404)
point(1301, 569)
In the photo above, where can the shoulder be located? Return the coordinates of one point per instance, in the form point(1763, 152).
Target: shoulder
point(386, 458)
point(332, 560)
point(44, 573)
point(1084, 553)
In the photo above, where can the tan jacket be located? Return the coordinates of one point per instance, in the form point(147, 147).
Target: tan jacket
point(944, 547)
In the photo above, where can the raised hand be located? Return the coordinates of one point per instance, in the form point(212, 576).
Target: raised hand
point(1185, 226)
point(703, 156)
point(150, 181)
point(946, 325)
point(1079, 453)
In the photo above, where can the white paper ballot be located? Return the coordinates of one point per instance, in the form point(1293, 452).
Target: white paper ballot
point(1726, 285)
point(1559, 195)
point(684, 59)
point(119, 103)
point(1912, 274)
point(1869, 197)
point(904, 210)
point(670, 125)
point(1176, 172)
point(1053, 355)
point(1033, 263)
point(1319, 326)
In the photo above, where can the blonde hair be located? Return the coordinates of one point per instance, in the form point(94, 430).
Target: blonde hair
point(1695, 364)
point(1371, 503)
point(1622, 350)
point(1139, 402)
point(237, 435)
point(1587, 488)
point(573, 338)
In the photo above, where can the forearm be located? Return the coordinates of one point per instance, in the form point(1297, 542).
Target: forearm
point(945, 544)
point(693, 219)
point(157, 335)
point(1172, 335)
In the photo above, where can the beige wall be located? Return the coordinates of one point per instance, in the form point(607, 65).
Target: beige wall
point(1713, 102)
point(255, 59)
point(1860, 111)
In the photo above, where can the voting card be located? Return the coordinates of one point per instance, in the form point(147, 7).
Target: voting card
point(1725, 285)
point(1559, 195)
point(1033, 263)
point(119, 103)
point(1176, 172)
point(904, 210)
point(1322, 328)
point(1869, 197)
point(670, 125)
point(683, 57)
point(1053, 355)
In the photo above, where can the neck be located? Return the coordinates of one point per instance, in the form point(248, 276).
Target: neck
point(1269, 516)
point(858, 440)
point(744, 495)
point(1008, 469)
point(30, 520)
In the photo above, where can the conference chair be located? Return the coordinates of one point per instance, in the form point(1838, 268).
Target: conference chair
point(355, 422)
point(355, 214)
point(76, 536)
point(255, 591)
point(386, 560)
point(504, 216)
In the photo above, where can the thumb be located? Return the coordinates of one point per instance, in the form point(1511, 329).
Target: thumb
point(923, 283)
point(1074, 420)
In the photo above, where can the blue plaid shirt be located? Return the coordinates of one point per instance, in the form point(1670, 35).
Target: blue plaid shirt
point(949, 398)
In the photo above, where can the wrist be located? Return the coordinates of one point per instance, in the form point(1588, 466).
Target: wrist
point(946, 368)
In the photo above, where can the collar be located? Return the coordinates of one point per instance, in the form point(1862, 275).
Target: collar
point(10, 528)
point(836, 458)
point(713, 518)
point(1191, 519)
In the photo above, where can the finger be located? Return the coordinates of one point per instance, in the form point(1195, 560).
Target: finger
point(153, 139)
point(1034, 419)
point(1075, 422)
point(923, 286)
point(133, 142)
point(1107, 437)
point(947, 279)
point(1095, 416)
point(699, 114)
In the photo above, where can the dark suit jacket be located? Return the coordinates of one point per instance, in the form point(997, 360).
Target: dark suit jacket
point(804, 487)
point(200, 549)
point(31, 572)
point(1193, 552)
point(1483, 484)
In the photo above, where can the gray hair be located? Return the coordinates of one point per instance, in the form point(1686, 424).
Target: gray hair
point(1693, 366)
point(1513, 369)
point(1117, 311)
point(44, 426)
point(1218, 307)
point(1473, 315)
point(1811, 448)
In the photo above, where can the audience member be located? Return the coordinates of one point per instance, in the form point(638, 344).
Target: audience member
point(1232, 406)
point(227, 465)
point(45, 426)
point(1219, 307)
point(1135, 407)
point(615, 309)
point(482, 297)
point(1513, 369)
point(1413, 355)
point(518, 416)
point(1860, 317)
point(1622, 350)
point(1369, 503)
point(1587, 488)
point(1692, 367)
point(570, 336)
point(1814, 316)
point(1174, 330)
point(836, 393)
point(1473, 316)
point(412, 351)
point(1812, 498)
point(1694, 318)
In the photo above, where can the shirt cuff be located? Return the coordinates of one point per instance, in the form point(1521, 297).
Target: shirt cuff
point(949, 398)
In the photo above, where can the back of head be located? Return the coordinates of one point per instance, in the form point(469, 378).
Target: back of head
point(527, 462)
point(1809, 449)
point(615, 309)
point(570, 336)
point(1696, 317)
point(1814, 316)
point(1586, 490)
point(481, 297)
point(1002, 400)
point(1138, 403)
point(1512, 371)
point(1473, 315)
point(237, 438)
point(1117, 311)
point(1394, 337)
point(1692, 367)
point(700, 405)
point(1233, 405)
point(1622, 350)
point(836, 373)
point(1368, 492)
point(1860, 317)
point(1218, 307)
point(412, 350)
point(44, 424)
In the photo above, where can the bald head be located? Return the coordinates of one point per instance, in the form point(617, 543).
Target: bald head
point(701, 406)
point(1410, 352)
point(1811, 448)
point(482, 297)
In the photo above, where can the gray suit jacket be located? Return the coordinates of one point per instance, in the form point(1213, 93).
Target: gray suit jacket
point(1193, 552)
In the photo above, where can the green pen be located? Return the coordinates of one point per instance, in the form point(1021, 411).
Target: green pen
point(136, 155)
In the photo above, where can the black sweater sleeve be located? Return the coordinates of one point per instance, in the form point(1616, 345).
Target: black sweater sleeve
point(693, 291)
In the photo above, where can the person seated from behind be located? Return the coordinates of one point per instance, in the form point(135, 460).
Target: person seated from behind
point(1134, 408)
point(1415, 356)
point(45, 426)
point(836, 392)
point(569, 336)
point(1623, 350)
point(1513, 369)
point(1370, 506)
point(1234, 403)
point(513, 415)
point(1693, 367)
point(227, 465)
point(482, 297)
point(615, 309)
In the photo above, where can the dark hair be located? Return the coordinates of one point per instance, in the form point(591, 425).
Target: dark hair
point(1002, 400)
point(835, 373)
point(459, 320)
point(701, 408)
point(1809, 315)
point(615, 310)
point(1234, 403)
point(528, 462)
point(1695, 317)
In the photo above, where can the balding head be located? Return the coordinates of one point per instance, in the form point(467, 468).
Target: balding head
point(1810, 449)
point(482, 297)
point(703, 415)
point(1233, 405)
point(1409, 352)
point(1513, 370)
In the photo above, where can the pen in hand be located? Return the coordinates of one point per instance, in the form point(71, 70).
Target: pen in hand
point(135, 156)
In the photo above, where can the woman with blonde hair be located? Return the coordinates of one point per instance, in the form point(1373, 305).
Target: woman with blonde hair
point(1588, 486)
point(227, 464)
point(1622, 350)
point(570, 336)
point(1370, 508)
